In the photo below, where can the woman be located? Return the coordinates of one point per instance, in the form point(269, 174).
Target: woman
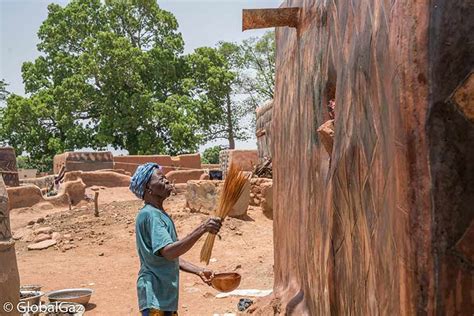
point(158, 246)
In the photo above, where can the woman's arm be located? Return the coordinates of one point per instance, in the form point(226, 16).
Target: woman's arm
point(180, 247)
point(205, 274)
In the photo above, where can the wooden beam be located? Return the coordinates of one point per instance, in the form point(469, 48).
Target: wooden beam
point(264, 18)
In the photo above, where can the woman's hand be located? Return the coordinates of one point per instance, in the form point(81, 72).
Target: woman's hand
point(212, 225)
point(206, 276)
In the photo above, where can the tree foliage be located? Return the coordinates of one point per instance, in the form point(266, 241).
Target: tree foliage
point(110, 73)
point(258, 69)
point(211, 154)
point(114, 73)
point(3, 90)
point(216, 74)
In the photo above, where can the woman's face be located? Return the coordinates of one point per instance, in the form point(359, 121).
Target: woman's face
point(159, 185)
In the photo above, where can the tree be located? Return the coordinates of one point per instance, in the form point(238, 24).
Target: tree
point(211, 154)
point(3, 90)
point(217, 77)
point(111, 72)
point(258, 70)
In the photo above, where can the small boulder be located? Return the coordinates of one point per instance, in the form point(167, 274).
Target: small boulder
point(41, 237)
point(40, 220)
point(42, 245)
point(204, 176)
point(56, 236)
point(43, 230)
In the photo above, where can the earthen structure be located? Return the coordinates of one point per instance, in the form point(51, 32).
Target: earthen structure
point(383, 223)
point(8, 168)
point(264, 130)
point(71, 192)
point(9, 277)
point(84, 161)
point(168, 163)
point(245, 159)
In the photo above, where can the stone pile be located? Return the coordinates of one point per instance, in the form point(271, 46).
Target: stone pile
point(261, 194)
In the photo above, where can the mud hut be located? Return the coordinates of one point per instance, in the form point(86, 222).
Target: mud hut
point(385, 228)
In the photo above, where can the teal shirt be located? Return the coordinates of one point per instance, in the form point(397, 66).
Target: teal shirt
point(158, 279)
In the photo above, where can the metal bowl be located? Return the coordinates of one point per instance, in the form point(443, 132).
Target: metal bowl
point(33, 297)
point(226, 282)
point(80, 296)
point(30, 287)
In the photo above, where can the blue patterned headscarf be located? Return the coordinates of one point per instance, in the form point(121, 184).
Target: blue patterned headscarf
point(141, 177)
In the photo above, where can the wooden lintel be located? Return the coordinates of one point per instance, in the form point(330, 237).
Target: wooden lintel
point(264, 18)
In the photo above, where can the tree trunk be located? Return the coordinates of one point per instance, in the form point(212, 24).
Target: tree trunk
point(230, 127)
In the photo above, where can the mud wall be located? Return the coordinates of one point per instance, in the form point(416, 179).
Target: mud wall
point(8, 168)
point(371, 228)
point(264, 131)
point(131, 163)
point(9, 277)
point(83, 161)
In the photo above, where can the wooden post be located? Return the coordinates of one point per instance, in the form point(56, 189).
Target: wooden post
point(96, 203)
point(264, 18)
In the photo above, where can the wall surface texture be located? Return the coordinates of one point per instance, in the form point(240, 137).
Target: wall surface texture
point(9, 277)
point(382, 225)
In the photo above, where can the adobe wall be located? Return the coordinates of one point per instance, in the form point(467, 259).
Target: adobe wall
point(109, 179)
point(264, 131)
point(83, 161)
point(9, 276)
point(183, 176)
point(26, 196)
point(245, 159)
point(131, 163)
point(383, 227)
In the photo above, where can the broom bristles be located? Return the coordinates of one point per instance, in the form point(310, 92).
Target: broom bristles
point(233, 187)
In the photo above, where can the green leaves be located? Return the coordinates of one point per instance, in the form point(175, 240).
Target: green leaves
point(110, 73)
point(211, 154)
point(113, 73)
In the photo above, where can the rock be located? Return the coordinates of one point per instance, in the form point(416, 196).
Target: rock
point(239, 266)
point(256, 202)
point(45, 207)
point(67, 236)
point(252, 195)
point(56, 236)
point(238, 233)
point(41, 237)
point(208, 295)
point(40, 220)
point(204, 176)
point(31, 223)
point(42, 245)
point(267, 200)
point(203, 196)
point(68, 247)
point(43, 230)
point(101, 254)
point(79, 238)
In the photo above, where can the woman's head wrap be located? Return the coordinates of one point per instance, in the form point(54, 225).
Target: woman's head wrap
point(141, 177)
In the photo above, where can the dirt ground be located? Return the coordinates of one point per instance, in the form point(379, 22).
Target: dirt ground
point(100, 253)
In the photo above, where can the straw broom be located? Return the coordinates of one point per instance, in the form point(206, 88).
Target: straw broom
point(233, 187)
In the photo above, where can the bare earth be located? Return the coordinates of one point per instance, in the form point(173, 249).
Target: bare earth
point(102, 253)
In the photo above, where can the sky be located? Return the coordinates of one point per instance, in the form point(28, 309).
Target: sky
point(202, 23)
